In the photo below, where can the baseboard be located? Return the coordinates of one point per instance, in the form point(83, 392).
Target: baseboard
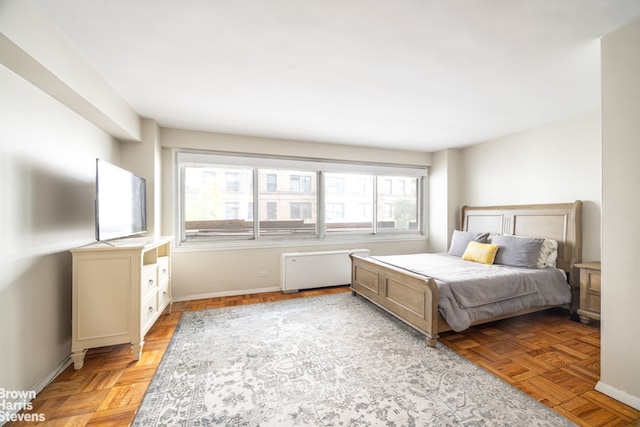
point(18, 404)
point(47, 379)
point(619, 395)
point(226, 294)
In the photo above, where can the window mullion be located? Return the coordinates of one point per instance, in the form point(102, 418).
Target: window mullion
point(256, 206)
point(374, 225)
point(422, 205)
point(181, 208)
point(320, 211)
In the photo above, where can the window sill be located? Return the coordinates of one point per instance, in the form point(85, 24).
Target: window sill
point(272, 243)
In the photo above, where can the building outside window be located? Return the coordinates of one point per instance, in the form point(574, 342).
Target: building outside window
point(272, 211)
point(272, 182)
point(300, 210)
point(232, 210)
point(334, 211)
point(300, 183)
point(233, 181)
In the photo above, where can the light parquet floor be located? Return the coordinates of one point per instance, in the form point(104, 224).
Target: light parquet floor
point(545, 355)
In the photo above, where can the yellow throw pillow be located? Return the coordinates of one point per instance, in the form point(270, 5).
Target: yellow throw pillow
point(484, 253)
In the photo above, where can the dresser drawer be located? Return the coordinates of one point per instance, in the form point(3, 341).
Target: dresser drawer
point(593, 280)
point(149, 280)
point(163, 269)
point(164, 295)
point(593, 303)
point(148, 311)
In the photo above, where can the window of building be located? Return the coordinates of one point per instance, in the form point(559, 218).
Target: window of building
point(300, 183)
point(232, 181)
point(334, 211)
point(272, 211)
point(250, 211)
point(225, 198)
point(232, 210)
point(300, 210)
point(334, 184)
point(272, 182)
point(387, 186)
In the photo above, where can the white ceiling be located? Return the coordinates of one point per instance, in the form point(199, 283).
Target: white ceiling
point(406, 74)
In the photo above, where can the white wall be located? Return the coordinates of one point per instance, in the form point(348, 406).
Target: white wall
point(47, 176)
point(199, 273)
point(444, 198)
point(57, 116)
point(620, 353)
point(144, 159)
point(557, 163)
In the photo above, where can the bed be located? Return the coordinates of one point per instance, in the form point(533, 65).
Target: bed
point(405, 287)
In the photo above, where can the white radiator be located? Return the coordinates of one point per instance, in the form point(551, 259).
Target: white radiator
point(304, 270)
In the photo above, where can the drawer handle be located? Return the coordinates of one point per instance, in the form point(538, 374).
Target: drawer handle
point(164, 271)
point(150, 282)
point(164, 294)
point(150, 310)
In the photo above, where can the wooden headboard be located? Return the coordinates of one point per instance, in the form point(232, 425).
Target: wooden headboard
point(559, 221)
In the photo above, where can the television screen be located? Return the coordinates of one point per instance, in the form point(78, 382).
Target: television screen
point(120, 202)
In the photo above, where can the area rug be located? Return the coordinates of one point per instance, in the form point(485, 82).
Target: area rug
point(333, 360)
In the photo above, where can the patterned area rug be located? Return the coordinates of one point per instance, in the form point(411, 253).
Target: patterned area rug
point(333, 360)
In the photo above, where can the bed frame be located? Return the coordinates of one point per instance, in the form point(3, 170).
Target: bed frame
point(414, 298)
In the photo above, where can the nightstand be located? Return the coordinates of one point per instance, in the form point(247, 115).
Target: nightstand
point(589, 291)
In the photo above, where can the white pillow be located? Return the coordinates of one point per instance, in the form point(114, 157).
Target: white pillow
point(548, 254)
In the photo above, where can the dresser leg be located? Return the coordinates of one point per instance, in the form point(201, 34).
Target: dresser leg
point(137, 349)
point(78, 359)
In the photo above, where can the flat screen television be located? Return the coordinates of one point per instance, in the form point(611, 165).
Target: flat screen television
point(121, 202)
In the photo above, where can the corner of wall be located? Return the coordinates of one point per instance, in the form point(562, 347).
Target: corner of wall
point(444, 199)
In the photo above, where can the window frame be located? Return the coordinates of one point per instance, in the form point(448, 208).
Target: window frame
point(184, 158)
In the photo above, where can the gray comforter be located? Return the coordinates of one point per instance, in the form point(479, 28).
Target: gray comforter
point(470, 291)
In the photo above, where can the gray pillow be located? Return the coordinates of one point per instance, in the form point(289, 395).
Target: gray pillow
point(460, 240)
point(517, 251)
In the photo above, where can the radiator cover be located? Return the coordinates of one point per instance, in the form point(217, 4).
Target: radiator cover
point(306, 270)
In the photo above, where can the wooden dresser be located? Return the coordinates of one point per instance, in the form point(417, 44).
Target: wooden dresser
point(589, 291)
point(119, 289)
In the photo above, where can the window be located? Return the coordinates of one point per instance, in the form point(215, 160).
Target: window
point(300, 183)
point(353, 192)
point(213, 199)
point(334, 184)
point(272, 211)
point(387, 186)
point(398, 211)
point(277, 212)
point(365, 210)
point(388, 210)
point(233, 181)
point(232, 210)
point(272, 182)
point(334, 211)
point(300, 210)
point(225, 198)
